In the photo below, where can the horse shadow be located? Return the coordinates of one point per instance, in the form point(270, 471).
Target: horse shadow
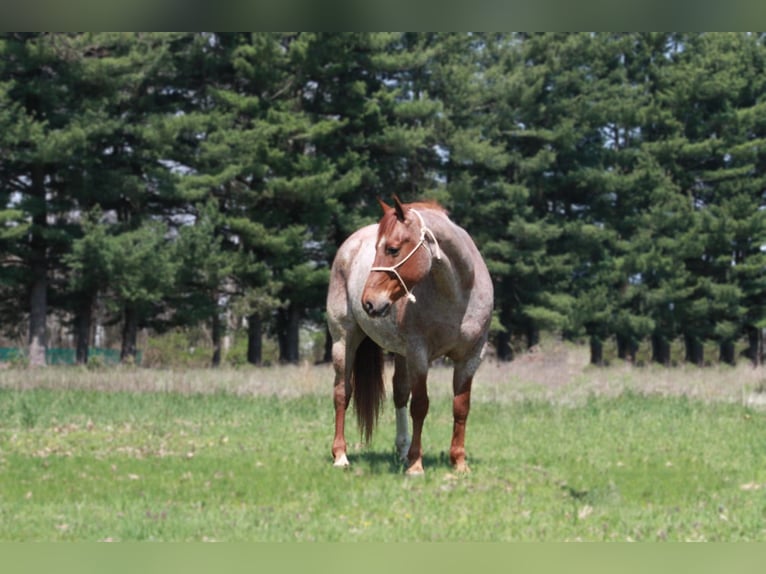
point(388, 462)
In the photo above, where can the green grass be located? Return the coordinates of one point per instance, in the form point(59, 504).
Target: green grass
point(89, 465)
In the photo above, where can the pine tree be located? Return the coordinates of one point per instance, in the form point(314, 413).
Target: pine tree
point(709, 157)
point(376, 92)
point(255, 154)
point(42, 77)
point(133, 271)
point(81, 137)
point(473, 76)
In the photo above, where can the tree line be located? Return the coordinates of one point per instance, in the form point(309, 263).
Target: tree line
point(613, 182)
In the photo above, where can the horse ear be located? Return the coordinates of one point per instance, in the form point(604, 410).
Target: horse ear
point(399, 207)
point(384, 206)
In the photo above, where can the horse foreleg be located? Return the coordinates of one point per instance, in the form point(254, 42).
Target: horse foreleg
point(418, 410)
point(461, 405)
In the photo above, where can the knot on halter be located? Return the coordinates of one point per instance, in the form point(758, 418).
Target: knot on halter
point(424, 231)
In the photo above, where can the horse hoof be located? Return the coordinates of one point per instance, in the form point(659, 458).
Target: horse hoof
point(462, 468)
point(416, 469)
point(341, 462)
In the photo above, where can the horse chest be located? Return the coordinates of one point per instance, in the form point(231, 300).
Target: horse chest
point(384, 331)
point(399, 333)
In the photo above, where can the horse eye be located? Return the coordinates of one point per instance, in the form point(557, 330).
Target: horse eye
point(392, 251)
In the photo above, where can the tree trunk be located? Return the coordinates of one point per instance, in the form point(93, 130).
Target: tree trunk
point(217, 336)
point(254, 339)
point(726, 353)
point(695, 352)
point(129, 335)
point(82, 326)
point(38, 288)
point(532, 333)
point(755, 348)
point(293, 335)
point(626, 349)
point(289, 344)
point(38, 311)
point(503, 349)
point(596, 351)
point(660, 350)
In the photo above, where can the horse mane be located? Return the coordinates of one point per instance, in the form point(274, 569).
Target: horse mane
point(428, 204)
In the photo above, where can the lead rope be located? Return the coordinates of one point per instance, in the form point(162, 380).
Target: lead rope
point(393, 269)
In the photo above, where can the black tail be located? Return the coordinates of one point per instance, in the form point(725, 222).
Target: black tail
point(368, 388)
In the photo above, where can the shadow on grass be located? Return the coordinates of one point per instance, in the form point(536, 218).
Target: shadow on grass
point(388, 462)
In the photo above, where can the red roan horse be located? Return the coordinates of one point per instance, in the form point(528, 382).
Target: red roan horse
point(414, 285)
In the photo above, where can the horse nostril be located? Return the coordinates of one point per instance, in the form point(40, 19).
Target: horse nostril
point(374, 311)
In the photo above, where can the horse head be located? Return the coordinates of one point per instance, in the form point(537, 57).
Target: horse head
point(404, 252)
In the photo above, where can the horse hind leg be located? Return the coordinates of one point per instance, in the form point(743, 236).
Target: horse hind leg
point(341, 398)
point(417, 375)
point(403, 438)
point(359, 372)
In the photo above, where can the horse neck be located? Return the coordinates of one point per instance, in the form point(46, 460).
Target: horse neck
point(453, 273)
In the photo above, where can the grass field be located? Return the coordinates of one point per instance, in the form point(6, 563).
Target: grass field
point(559, 451)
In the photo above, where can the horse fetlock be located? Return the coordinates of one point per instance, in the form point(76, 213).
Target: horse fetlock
point(457, 458)
point(403, 446)
point(457, 455)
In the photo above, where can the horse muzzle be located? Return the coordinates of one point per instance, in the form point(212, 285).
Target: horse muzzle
point(376, 309)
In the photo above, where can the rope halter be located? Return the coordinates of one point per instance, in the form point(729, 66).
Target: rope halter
point(424, 231)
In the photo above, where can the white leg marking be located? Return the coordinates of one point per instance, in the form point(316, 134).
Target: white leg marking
point(341, 461)
point(403, 438)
